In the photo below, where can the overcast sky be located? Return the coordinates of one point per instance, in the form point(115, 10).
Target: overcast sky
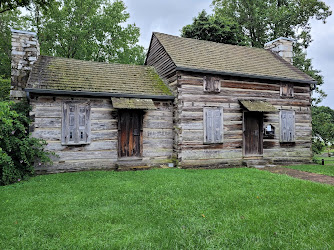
point(170, 16)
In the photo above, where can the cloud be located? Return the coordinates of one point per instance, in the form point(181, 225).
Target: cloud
point(321, 51)
point(163, 16)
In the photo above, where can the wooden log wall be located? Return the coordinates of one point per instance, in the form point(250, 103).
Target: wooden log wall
point(102, 152)
point(191, 99)
point(158, 57)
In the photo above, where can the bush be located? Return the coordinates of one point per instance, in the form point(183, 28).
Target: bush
point(4, 88)
point(18, 151)
point(317, 146)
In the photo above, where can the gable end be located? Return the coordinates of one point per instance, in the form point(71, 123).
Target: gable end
point(158, 57)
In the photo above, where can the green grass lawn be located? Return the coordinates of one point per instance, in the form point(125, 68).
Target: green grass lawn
point(167, 209)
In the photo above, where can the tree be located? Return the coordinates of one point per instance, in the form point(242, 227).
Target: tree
point(265, 20)
point(323, 124)
point(214, 28)
point(8, 5)
point(301, 61)
point(88, 30)
point(7, 20)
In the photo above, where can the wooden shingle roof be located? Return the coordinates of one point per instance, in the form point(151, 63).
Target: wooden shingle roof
point(63, 74)
point(204, 56)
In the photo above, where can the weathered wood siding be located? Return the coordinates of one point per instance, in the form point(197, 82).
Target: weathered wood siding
point(101, 153)
point(189, 134)
point(158, 57)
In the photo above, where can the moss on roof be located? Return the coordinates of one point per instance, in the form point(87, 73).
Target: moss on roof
point(258, 106)
point(56, 73)
point(218, 57)
point(132, 103)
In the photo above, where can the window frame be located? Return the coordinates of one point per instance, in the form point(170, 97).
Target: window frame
point(293, 138)
point(205, 130)
point(77, 126)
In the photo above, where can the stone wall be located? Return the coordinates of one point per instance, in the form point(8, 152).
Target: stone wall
point(283, 47)
point(25, 50)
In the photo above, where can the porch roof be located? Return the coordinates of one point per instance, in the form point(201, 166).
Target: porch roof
point(257, 106)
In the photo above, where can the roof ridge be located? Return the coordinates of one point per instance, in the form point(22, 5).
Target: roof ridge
point(86, 61)
point(212, 42)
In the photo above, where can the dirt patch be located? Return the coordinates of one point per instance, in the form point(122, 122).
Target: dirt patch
point(301, 174)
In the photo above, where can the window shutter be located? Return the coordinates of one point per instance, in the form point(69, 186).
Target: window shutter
point(76, 123)
point(290, 90)
point(216, 85)
point(286, 90)
point(87, 123)
point(217, 125)
point(209, 126)
point(64, 124)
point(72, 135)
point(211, 84)
point(213, 125)
point(82, 136)
point(287, 126)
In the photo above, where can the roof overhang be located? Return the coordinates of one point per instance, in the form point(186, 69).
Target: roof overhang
point(258, 106)
point(96, 94)
point(133, 103)
point(225, 73)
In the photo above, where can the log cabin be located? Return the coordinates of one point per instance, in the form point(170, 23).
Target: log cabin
point(235, 105)
point(193, 104)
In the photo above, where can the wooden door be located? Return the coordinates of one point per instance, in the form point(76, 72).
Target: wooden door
point(130, 133)
point(253, 136)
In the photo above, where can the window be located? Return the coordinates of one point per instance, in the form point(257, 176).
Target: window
point(211, 84)
point(287, 126)
point(76, 123)
point(213, 125)
point(286, 90)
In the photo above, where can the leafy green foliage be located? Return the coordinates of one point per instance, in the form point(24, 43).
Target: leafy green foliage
point(236, 208)
point(305, 64)
point(8, 5)
point(88, 30)
point(323, 123)
point(4, 88)
point(266, 20)
point(7, 20)
point(317, 146)
point(214, 28)
point(18, 151)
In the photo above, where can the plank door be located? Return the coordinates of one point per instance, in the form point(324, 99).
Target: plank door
point(130, 133)
point(253, 136)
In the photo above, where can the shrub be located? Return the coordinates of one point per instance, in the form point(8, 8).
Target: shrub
point(317, 146)
point(18, 151)
point(4, 88)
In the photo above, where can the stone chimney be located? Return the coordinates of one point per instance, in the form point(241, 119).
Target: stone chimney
point(25, 50)
point(283, 47)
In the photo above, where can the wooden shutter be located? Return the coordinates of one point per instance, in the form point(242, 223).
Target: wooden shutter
point(217, 126)
point(211, 84)
point(76, 123)
point(213, 125)
point(286, 90)
point(208, 125)
point(287, 126)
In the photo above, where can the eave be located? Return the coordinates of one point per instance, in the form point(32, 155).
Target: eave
point(224, 73)
point(96, 94)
